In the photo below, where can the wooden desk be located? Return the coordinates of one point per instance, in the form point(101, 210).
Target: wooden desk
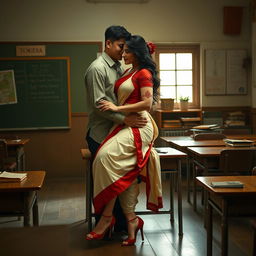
point(171, 163)
point(16, 149)
point(242, 136)
point(172, 160)
point(228, 202)
point(18, 198)
point(204, 156)
point(208, 151)
point(182, 143)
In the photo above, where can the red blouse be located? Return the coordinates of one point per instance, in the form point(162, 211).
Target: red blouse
point(143, 78)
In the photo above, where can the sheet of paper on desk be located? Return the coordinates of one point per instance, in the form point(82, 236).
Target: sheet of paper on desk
point(12, 176)
point(161, 151)
point(227, 184)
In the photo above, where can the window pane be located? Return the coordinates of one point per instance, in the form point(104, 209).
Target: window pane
point(185, 91)
point(167, 60)
point(167, 92)
point(167, 77)
point(184, 77)
point(184, 60)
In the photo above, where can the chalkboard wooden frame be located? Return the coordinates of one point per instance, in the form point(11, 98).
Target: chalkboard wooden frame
point(51, 113)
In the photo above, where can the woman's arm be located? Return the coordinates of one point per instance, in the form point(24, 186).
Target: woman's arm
point(144, 104)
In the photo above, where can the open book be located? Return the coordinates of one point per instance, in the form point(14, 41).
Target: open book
point(239, 143)
point(12, 176)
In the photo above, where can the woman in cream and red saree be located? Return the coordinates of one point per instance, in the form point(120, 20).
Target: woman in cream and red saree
point(127, 153)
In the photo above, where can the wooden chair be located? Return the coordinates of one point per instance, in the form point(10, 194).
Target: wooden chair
point(5, 163)
point(237, 161)
point(209, 136)
point(86, 155)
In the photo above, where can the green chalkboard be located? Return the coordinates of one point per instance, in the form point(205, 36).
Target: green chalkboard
point(80, 54)
point(43, 93)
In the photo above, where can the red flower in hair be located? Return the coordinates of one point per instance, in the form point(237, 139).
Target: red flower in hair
point(151, 47)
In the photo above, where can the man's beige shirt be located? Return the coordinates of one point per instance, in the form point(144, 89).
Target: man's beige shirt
point(100, 78)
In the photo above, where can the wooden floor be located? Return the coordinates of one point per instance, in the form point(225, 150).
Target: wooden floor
point(63, 202)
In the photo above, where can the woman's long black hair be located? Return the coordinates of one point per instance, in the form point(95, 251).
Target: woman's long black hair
point(138, 46)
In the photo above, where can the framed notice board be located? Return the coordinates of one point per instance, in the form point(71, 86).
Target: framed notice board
point(225, 72)
point(43, 93)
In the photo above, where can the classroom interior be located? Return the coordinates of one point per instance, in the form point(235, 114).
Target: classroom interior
point(75, 31)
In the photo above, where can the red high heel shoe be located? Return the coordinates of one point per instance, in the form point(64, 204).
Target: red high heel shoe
point(129, 242)
point(95, 236)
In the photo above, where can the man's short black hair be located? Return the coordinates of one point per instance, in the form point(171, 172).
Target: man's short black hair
point(114, 33)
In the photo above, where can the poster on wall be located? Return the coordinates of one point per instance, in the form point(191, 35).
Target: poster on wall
point(226, 72)
point(215, 72)
point(236, 72)
point(7, 87)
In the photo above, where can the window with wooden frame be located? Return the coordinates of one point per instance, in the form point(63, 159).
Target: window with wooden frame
point(179, 72)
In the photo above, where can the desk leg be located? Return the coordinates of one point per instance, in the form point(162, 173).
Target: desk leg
point(205, 207)
point(23, 163)
point(26, 209)
point(209, 229)
point(205, 194)
point(224, 231)
point(87, 193)
point(172, 184)
point(194, 186)
point(20, 159)
point(188, 179)
point(35, 212)
point(89, 196)
point(180, 199)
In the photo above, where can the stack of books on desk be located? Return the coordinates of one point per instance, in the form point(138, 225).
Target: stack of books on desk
point(206, 127)
point(12, 177)
point(239, 143)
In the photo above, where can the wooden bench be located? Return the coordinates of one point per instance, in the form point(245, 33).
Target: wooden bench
point(86, 155)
